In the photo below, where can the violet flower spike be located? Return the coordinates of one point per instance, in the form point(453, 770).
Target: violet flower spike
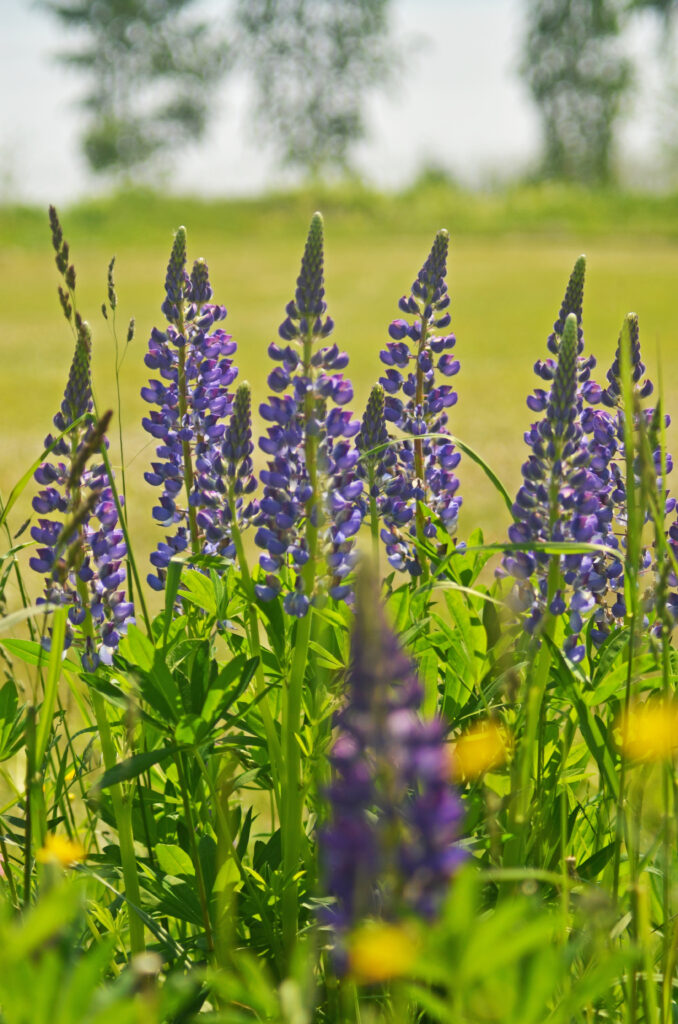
point(83, 549)
point(390, 845)
point(559, 500)
point(605, 426)
point(310, 510)
point(424, 476)
point(193, 360)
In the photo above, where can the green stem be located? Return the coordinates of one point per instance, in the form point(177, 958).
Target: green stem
point(122, 809)
point(292, 821)
point(419, 468)
point(272, 739)
point(195, 856)
point(374, 517)
point(186, 450)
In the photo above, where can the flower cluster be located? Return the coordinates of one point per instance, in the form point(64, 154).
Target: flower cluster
point(391, 842)
point(83, 549)
point(193, 358)
point(425, 465)
point(559, 500)
point(605, 427)
point(310, 506)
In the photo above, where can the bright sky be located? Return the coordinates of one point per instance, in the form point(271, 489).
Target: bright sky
point(456, 102)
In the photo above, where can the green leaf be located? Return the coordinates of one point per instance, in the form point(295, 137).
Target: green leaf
point(139, 648)
point(53, 672)
point(594, 864)
point(173, 860)
point(134, 766)
point(174, 570)
point(198, 589)
point(33, 653)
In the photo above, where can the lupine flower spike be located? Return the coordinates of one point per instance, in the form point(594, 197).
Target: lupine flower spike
point(606, 427)
point(424, 476)
point(377, 463)
point(83, 550)
point(558, 501)
point(193, 358)
point(310, 511)
point(391, 842)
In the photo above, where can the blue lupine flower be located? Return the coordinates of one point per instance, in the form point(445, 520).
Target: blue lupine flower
point(560, 498)
point(391, 842)
point(311, 502)
point(82, 549)
point(605, 427)
point(376, 469)
point(193, 360)
point(425, 466)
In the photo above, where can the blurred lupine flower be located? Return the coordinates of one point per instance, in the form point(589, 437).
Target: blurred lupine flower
point(311, 484)
point(83, 550)
point(391, 842)
point(193, 358)
point(605, 427)
point(424, 468)
point(559, 500)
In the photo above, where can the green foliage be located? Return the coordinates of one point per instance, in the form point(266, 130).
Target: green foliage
point(147, 870)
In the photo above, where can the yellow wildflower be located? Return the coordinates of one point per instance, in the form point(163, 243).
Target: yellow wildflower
point(61, 850)
point(482, 747)
point(649, 732)
point(378, 952)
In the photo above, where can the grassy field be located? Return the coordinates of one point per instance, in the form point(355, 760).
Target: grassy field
point(511, 255)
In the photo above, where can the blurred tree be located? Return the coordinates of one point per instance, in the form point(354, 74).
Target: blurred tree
point(313, 62)
point(150, 68)
point(577, 74)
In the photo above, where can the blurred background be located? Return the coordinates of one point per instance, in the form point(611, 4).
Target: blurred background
point(532, 129)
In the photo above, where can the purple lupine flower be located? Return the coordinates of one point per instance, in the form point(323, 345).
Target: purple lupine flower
point(377, 468)
point(425, 466)
point(193, 360)
point(559, 500)
point(390, 844)
point(82, 549)
point(311, 502)
point(605, 427)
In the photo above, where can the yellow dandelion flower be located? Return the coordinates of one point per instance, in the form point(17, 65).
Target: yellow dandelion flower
point(649, 732)
point(482, 747)
point(61, 850)
point(378, 952)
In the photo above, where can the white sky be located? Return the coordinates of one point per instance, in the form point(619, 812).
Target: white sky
point(456, 102)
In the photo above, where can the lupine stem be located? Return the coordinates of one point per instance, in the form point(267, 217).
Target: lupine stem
point(121, 802)
point(274, 748)
point(419, 469)
point(374, 517)
point(186, 448)
point(195, 855)
point(293, 818)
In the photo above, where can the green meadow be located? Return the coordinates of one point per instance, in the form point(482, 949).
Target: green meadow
point(511, 254)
